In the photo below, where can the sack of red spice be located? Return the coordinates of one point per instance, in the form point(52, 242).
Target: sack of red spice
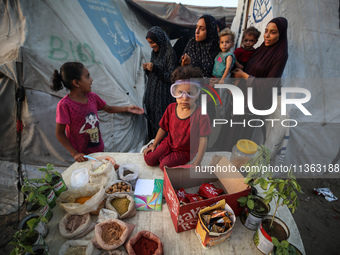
point(208, 190)
point(144, 243)
point(111, 233)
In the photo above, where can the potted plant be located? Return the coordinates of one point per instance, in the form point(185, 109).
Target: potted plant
point(283, 192)
point(36, 197)
point(255, 207)
point(284, 248)
point(42, 227)
point(54, 178)
point(25, 239)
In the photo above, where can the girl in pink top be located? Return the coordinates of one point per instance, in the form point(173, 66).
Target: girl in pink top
point(77, 127)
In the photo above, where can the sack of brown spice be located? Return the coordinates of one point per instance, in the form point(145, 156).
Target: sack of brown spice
point(75, 226)
point(144, 243)
point(112, 233)
point(123, 204)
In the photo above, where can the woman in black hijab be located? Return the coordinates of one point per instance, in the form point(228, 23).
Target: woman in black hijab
point(157, 93)
point(268, 61)
point(201, 50)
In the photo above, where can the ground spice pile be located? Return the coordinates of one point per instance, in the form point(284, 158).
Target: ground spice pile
point(74, 221)
point(76, 250)
point(112, 232)
point(145, 246)
point(121, 205)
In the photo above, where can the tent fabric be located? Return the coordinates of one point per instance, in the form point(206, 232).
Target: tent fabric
point(313, 64)
point(107, 36)
point(113, 55)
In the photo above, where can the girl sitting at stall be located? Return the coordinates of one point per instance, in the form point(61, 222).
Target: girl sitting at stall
point(186, 128)
point(77, 127)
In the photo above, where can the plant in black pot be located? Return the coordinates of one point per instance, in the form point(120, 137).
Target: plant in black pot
point(37, 196)
point(254, 206)
point(54, 178)
point(284, 248)
point(283, 192)
point(24, 240)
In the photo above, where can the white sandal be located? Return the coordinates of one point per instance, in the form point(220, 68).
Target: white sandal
point(146, 146)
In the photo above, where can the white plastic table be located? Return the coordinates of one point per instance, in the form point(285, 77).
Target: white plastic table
point(160, 222)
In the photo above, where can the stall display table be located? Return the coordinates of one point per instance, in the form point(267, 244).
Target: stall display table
point(160, 222)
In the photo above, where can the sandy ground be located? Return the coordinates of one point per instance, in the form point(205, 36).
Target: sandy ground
point(317, 219)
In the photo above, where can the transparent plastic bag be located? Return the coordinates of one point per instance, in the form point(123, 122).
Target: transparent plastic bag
point(129, 173)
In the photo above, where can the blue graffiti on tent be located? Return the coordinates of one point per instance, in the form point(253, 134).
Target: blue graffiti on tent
point(106, 17)
point(261, 9)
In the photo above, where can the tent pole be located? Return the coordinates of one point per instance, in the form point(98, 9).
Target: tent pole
point(20, 97)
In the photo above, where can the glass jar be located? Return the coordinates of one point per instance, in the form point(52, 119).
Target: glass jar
point(242, 152)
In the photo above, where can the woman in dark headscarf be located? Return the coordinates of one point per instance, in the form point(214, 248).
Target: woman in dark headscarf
point(203, 48)
point(268, 61)
point(157, 94)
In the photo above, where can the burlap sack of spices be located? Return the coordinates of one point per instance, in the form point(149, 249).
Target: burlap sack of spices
point(118, 187)
point(112, 233)
point(114, 252)
point(75, 226)
point(123, 204)
point(144, 242)
point(92, 193)
point(102, 172)
point(105, 214)
point(72, 247)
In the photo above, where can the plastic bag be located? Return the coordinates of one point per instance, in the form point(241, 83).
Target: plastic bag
point(106, 214)
point(129, 173)
point(102, 172)
point(114, 252)
point(146, 234)
point(119, 233)
point(109, 186)
point(79, 178)
point(75, 226)
point(90, 249)
point(131, 211)
point(67, 199)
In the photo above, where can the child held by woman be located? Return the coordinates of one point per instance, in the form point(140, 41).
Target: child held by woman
point(77, 124)
point(225, 59)
point(186, 128)
point(243, 53)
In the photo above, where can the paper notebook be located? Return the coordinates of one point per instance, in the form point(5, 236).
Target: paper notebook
point(145, 202)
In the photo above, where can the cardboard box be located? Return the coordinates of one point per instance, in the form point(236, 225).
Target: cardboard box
point(185, 217)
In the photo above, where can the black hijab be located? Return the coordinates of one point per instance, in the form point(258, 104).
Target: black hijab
point(203, 53)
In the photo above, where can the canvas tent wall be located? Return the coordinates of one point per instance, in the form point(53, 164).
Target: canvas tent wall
point(106, 36)
point(313, 63)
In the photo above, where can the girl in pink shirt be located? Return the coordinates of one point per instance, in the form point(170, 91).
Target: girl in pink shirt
point(77, 127)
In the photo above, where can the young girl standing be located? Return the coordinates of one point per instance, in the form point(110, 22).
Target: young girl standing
point(187, 128)
point(225, 60)
point(77, 127)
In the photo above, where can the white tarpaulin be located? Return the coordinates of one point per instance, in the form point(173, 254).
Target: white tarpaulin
point(104, 35)
point(313, 64)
